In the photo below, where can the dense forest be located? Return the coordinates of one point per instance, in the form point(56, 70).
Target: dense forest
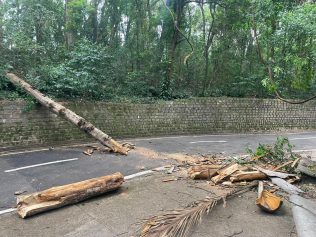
point(159, 49)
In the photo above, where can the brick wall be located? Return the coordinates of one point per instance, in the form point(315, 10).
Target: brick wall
point(208, 115)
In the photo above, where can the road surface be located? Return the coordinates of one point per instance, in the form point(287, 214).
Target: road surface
point(35, 170)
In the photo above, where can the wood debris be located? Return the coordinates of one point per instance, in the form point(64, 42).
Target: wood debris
point(203, 171)
point(31, 204)
point(225, 172)
point(267, 201)
point(88, 152)
point(169, 180)
point(248, 176)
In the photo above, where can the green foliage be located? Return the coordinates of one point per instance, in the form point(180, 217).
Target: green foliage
point(87, 72)
point(280, 151)
point(118, 50)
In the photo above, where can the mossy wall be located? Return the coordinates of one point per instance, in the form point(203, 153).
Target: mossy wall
point(39, 127)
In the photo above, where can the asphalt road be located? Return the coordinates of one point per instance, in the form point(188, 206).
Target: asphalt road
point(36, 170)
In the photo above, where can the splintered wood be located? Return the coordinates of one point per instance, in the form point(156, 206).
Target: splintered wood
point(247, 176)
point(203, 171)
point(225, 172)
point(31, 204)
point(267, 201)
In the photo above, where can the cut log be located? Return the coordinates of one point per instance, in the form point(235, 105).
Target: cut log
point(69, 115)
point(203, 171)
point(31, 204)
point(225, 172)
point(248, 176)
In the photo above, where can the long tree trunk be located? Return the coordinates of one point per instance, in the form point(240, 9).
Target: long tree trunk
point(31, 204)
point(69, 35)
point(69, 115)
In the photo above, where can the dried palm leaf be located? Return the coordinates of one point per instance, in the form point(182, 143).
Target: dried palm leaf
point(178, 223)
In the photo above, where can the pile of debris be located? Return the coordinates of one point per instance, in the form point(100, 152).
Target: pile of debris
point(273, 169)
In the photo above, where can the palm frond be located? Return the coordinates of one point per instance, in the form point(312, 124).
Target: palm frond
point(178, 223)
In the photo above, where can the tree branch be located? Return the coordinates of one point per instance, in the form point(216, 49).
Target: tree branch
point(270, 72)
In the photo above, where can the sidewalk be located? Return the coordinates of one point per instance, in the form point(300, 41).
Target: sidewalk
point(119, 213)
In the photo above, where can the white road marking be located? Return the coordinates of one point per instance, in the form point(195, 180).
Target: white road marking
point(208, 142)
point(302, 138)
point(129, 177)
point(160, 138)
point(7, 211)
point(41, 164)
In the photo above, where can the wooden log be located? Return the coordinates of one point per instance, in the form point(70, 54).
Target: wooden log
point(203, 171)
point(248, 176)
point(69, 115)
point(31, 204)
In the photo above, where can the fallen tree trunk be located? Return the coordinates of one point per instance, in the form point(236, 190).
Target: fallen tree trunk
point(69, 115)
point(31, 204)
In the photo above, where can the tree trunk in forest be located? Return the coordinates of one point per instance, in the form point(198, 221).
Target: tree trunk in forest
point(94, 21)
point(69, 115)
point(1, 30)
point(31, 204)
point(69, 36)
point(176, 14)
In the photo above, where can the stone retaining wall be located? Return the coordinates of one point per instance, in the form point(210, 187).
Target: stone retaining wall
point(39, 127)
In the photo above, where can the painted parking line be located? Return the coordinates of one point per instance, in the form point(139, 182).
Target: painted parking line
point(208, 142)
point(302, 138)
point(41, 164)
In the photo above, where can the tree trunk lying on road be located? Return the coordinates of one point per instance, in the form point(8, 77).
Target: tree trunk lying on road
point(69, 115)
point(31, 204)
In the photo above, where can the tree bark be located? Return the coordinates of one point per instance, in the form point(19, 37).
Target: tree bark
point(69, 115)
point(248, 176)
point(225, 172)
point(69, 34)
point(31, 204)
point(203, 171)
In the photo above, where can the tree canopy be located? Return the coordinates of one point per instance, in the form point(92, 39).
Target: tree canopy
point(159, 49)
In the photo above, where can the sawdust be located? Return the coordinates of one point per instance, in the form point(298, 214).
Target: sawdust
point(152, 154)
